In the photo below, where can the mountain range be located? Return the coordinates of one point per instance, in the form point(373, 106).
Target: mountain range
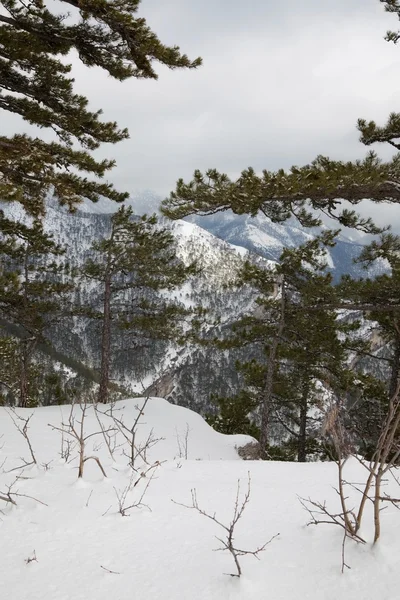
point(192, 374)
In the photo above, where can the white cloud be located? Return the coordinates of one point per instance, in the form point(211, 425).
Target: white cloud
point(281, 83)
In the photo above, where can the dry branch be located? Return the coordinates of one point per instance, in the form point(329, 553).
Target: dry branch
point(228, 542)
point(79, 435)
point(23, 430)
point(122, 495)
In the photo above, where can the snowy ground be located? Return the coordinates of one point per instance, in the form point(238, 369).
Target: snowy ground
point(166, 551)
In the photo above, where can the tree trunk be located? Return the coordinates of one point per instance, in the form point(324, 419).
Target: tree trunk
point(302, 442)
point(266, 398)
point(27, 347)
point(23, 376)
point(25, 354)
point(105, 343)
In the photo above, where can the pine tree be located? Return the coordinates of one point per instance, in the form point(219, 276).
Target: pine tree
point(300, 192)
point(235, 414)
point(378, 300)
point(319, 186)
point(34, 289)
point(36, 83)
point(133, 265)
point(303, 353)
point(9, 367)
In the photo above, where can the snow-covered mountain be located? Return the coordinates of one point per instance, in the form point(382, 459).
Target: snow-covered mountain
point(261, 236)
point(186, 375)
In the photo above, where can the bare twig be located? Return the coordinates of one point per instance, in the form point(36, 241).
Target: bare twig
point(22, 425)
point(109, 570)
point(10, 495)
point(32, 558)
point(78, 433)
point(183, 442)
point(122, 495)
point(321, 515)
point(228, 541)
point(129, 434)
point(88, 500)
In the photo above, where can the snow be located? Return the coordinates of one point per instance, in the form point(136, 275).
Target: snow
point(167, 552)
point(262, 239)
point(240, 250)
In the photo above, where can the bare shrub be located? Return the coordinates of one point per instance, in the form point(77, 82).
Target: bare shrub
point(183, 442)
point(228, 541)
point(75, 428)
point(22, 425)
point(109, 434)
point(384, 460)
point(129, 433)
point(124, 504)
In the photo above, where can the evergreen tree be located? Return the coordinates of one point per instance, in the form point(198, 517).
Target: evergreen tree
point(320, 186)
point(300, 192)
point(133, 265)
point(34, 289)
point(378, 300)
point(35, 83)
point(304, 354)
point(235, 414)
point(9, 367)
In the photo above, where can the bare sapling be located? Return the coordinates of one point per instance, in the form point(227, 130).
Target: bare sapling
point(75, 428)
point(22, 425)
point(336, 432)
point(346, 518)
point(384, 460)
point(125, 504)
point(183, 442)
point(134, 450)
point(109, 434)
point(228, 542)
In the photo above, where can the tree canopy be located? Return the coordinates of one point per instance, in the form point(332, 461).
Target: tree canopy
point(36, 83)
point(301, 191)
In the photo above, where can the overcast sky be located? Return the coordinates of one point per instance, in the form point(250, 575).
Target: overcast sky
point(282, 81)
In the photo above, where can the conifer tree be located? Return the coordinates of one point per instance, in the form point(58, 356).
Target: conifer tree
point(320, 186)
point(9, 367)
point(36, 83)
point(300, 350)
point(34, 289)
point(133, 265)
point(378, 299)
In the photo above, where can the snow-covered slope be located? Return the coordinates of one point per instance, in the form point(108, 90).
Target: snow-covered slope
point(261, 236)
point(193, 373)
point(73, 543)
point(189, 375)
